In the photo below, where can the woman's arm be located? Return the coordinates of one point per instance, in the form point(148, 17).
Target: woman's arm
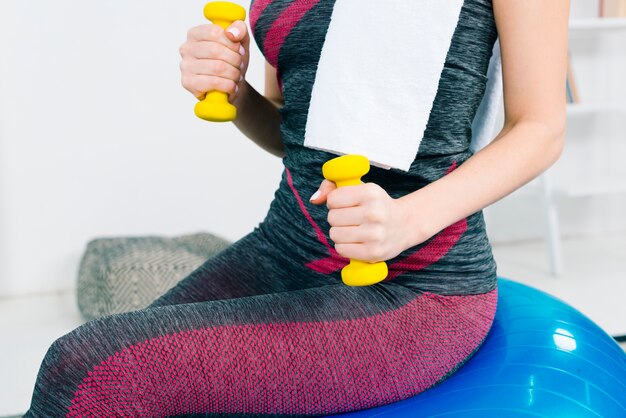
point(369, 225)
point(533, 41)
point(257, 115)
point(217, 59)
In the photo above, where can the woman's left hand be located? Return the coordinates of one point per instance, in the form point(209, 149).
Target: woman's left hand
point(366, 223)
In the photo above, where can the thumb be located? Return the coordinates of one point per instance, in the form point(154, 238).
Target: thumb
point(238, 32)
point(319, 197)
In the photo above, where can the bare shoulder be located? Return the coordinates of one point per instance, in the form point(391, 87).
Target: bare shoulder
point(533, 41)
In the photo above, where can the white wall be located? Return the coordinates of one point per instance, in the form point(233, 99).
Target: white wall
point(98, 138)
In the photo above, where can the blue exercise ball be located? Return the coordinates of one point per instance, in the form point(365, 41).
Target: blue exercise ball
point(542, 358)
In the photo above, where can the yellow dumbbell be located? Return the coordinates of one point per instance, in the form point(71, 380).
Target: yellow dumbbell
point(215, 106)
point(347, 171)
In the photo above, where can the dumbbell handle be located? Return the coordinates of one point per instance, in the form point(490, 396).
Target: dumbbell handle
point(347, 170)
point(215, 106)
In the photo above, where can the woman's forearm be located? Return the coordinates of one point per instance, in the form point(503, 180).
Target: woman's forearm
point(515, 157)
point(259, 119)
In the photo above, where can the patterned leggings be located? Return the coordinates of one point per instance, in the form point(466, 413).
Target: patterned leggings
point(242, 337)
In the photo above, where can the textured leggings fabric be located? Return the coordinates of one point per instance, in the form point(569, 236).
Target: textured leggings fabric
point(228, 342)
point(266, 328)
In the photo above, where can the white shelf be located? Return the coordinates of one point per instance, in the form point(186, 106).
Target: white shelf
point(593, 187)
point(583, 108)
point(577, 188)
point(599, 23)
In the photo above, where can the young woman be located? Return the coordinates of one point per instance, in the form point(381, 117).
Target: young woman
point(267, 327)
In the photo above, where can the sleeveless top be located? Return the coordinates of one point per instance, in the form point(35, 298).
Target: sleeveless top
point(457, 260)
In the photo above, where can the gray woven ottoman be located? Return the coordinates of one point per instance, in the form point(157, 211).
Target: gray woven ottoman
point(125, 274)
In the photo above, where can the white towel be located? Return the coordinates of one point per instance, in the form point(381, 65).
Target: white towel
point(377, 79)
point(484, 124)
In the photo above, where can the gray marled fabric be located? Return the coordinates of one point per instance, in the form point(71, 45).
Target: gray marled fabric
point(125, 274)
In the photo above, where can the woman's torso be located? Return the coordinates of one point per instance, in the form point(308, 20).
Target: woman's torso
point(458, 260)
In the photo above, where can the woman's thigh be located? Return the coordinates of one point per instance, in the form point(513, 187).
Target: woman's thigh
point(318, 350)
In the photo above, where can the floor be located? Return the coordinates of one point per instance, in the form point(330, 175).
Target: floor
point(593, 281)
point(595, 288)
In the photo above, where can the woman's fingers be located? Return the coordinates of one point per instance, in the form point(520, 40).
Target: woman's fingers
point(346, 216)
point(214, 50)
point(319, 197)
point(211, 32)
point(371, 234)
point(211, 67)
point(354, 195)
point(358, 251)
point(214, 58)
point(198, 85)
point(238, 32)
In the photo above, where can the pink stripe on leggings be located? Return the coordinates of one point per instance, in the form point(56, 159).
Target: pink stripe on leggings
point(326, 265)
point(290, 368)
point(318, 231)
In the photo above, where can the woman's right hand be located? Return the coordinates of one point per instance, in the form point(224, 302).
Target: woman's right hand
point(215, 59)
